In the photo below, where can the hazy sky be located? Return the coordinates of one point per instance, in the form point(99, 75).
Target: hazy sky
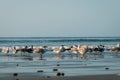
point(71, 18)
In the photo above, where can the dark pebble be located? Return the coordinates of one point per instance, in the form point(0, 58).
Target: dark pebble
point(15, 74)
point(58, 64)
point(17, 65)
point(58, 74)
point(40, 71)
point(48, 76)
point(62, 74)
point(106, 68)
point(55, 69)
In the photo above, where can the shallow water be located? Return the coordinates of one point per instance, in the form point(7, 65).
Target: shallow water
point(69, 64)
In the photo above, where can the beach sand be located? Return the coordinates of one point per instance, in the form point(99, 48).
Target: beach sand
point(89, 77)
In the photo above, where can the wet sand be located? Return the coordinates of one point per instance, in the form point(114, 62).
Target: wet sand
point(103, 68)
point(90, 77)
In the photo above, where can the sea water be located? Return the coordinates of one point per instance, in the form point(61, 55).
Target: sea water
point(69, 64)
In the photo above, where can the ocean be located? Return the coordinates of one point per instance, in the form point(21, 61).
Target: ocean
point(71, 65)
point(50, 41)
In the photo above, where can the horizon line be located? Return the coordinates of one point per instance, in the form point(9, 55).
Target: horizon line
point(56, 36)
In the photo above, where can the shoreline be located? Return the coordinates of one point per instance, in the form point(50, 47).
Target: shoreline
point(86, 77)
